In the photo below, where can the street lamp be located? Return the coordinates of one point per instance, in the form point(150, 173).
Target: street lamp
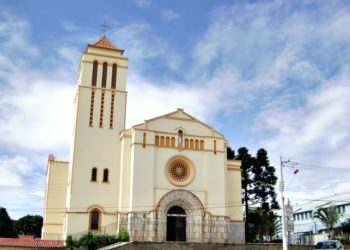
point(283, 189)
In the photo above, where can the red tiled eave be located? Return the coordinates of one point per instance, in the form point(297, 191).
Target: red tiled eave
point(31, 242)
point(106, 44)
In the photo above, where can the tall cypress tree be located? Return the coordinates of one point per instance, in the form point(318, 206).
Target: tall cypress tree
point(6, 225)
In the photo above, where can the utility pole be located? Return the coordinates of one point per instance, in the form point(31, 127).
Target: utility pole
point(284, 227)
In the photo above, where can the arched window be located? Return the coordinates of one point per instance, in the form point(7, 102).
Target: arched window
point(202, 145)
point(162, 142)
point(173, 141)
point(191, 144)
point(94, 174)
point(186, 143)
point(95, 219)
point(157, 140)
point(114, 76)
point(215, 147)
point(104, 74)
point(196, 144)
point(94, 74)
point(167, 141)
point(105, 175)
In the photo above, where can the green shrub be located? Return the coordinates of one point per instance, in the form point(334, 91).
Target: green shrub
point(123, 235)
point(93, 242)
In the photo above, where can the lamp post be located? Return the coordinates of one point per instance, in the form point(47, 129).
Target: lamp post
point(283, 188)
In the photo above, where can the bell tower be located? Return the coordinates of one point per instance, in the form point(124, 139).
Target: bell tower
point(93, 178)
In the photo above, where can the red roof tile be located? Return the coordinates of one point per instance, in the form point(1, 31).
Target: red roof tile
point(31, 242)
point(106, 44)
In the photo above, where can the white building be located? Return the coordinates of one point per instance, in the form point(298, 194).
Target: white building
point(165, 179)
point(305, 225)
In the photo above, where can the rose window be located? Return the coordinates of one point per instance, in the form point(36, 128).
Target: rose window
point(179, 171)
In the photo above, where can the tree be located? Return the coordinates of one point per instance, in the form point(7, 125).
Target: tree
point(258, 181)
point(230, 153)
point(6, 225)
point(246, 165)
point(29, 225)
point(345, 228)
point(264, 180)
point(329, 217)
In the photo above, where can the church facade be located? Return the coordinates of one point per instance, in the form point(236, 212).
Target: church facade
point(166, 179)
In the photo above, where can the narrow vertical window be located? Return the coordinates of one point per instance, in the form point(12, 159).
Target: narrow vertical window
point(173, 141)
point(162, 142)
point(156, 140)
point(105, 175)
point(144, 140)
point(95, 218)
point(94, 74)
point(102, 107)
point(191, 144)
point(92, 101)
point(196, 144)
point(167, 141)
point(214, 146)
point(104, 74)
point(114, 76)
point(202, 145)
point(111, 117)
point(186, 143)
point(94, 174)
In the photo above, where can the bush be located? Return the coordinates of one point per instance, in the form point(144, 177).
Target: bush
point(123, 235)
point(93, 242)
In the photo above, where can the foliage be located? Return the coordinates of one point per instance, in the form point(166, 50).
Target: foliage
point(345, 229)
point(329, 217)
point(93, 242)
point(6, 225)
point(258, 190)
point(123, 235)
point(29, 225)
point(230, 153)
point(262, 224)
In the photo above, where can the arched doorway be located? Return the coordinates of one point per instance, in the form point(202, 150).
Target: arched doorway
point(176, 224)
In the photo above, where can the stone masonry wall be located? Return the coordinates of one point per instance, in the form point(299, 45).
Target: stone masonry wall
point(207, 246)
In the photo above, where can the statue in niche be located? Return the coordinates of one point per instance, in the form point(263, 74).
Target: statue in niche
point(180, 138)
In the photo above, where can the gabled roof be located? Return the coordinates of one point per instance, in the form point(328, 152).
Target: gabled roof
point(179, 114)
point(106, 44)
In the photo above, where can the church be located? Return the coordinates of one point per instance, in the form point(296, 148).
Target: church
point(167, 179)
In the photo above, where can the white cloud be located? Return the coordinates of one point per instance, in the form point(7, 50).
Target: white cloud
point(143, 3)
point(141, 43)
point(12, 170)
point(170, 15)
point(69, 26)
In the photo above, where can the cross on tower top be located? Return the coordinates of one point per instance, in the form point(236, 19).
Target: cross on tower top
point(105, 26)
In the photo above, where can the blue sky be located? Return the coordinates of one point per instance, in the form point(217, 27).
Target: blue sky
point(271, 74)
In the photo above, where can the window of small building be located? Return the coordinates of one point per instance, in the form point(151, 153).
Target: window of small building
point(156, 140)
point(95, 218)
point(105, 175)
point(94, 174)
point(173, 141)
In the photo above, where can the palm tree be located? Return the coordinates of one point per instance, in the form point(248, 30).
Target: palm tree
point(329, 217)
